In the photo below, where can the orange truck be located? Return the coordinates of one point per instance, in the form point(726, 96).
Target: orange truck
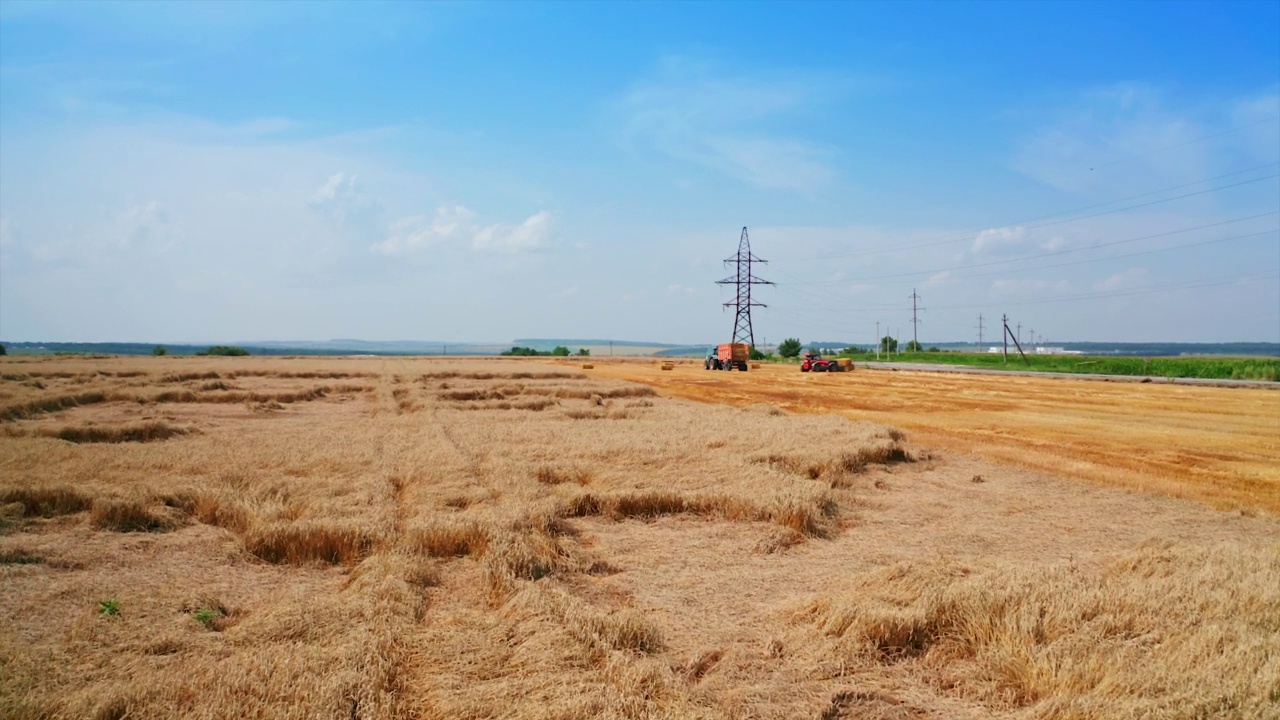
point(727, 356)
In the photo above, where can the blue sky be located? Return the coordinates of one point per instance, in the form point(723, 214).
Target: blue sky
point(482, 172)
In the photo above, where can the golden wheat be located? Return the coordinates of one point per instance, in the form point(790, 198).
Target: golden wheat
point(457, 539)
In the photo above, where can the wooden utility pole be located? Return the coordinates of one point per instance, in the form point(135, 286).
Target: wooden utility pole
point(1008, 334)
point(1004, 320)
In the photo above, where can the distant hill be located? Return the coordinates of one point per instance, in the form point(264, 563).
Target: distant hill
point(272, 347)
point(539, 343)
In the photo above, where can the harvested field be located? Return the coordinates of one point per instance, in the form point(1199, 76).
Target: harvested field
point(1220, 446)
point(413, 538)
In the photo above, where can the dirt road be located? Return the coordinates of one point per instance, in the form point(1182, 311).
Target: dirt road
point(1216, 445)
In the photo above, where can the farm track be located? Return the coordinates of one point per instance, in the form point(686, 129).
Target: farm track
point(1220, 446)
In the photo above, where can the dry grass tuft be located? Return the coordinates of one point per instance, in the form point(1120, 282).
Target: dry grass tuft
point(47, 501)
point(132, 515)
point(517, 375)
point(1162, 630)
point(548, 475)
point(780, 540)
point(19, 556)
point(303, 542)
point(810, 516)
point(837, 471)
point(625, 630)
point(145, 432)
point(449, 538)
point(184, 377)
point(608, 393)
point(25, 410)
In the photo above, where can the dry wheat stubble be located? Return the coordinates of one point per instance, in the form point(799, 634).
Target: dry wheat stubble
point(508, 539)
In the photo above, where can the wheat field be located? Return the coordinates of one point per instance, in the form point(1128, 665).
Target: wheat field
point(419, 538)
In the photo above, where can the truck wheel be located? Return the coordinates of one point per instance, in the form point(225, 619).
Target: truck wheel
point(742, 367)
point(804, 369)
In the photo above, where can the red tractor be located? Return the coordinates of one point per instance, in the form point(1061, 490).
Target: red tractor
point(816, 363)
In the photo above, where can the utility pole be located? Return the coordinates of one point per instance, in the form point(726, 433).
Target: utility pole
point(915, 323)
point(743, 280)
point(1004, 320)
point(1018, 335)
point(610, 348)
point(878, 343)
point(1008, 334)
point(979, 332)
point(1033, 336)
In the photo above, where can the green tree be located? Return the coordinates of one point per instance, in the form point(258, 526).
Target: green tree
point(790, 347)
point(560, 351)
point(159, 350)
point(888, 344)
point(3, 351)
point(756, 354)
point(914, 346)
point(583, 352)
point(225, 350)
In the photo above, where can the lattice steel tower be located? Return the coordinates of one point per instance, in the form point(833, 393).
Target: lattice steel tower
point(743, 281)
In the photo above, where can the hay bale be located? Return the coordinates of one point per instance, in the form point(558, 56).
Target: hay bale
point(587, 366)
point(668, 365)
point(755, 366)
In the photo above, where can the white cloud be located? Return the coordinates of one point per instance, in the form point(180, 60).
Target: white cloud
point(998, 237)
point(532, 234)
point(1024, 289)
point(146, 223)
point(937, 280)
point(341, 199)
point(457, 226)
point(676, 290)
point(1133, 277)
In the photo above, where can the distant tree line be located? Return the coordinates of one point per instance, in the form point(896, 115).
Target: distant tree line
point(557, 351)
point(224, 350)
point(792, 347)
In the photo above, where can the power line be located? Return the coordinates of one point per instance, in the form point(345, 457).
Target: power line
point(1156, 290)
point(1124, 255)
point(1051, 253)
point(951, 239)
